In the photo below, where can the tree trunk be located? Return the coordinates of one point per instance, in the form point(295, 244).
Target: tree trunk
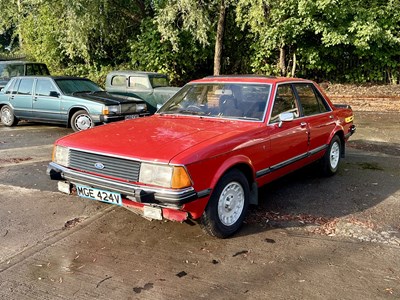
point(282, 63)
point(219, 38)
point(19, 23)
point(294, 64)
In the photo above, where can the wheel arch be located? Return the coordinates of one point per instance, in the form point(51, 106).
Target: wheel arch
point(340, 134)
point(244, 165)
point(73, 110)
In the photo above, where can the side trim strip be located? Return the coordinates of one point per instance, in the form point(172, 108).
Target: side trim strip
point(290, 161)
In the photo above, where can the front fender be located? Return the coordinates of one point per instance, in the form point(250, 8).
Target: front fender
point(232, 162)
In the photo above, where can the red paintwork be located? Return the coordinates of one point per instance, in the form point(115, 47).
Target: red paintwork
point(167, 213)
point(209, 147)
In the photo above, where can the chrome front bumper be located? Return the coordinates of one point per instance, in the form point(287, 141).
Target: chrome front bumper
point(141, 194)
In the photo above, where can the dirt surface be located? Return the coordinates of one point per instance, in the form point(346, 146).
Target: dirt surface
point(310, 238)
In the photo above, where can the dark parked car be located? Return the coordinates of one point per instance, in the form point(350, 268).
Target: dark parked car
point(149, 86)
point(9, 69)
point(206, 151)
point(76, 102)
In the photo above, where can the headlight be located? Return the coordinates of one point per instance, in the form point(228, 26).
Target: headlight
point(164, 175)
point(61, 155)
point(111, 109)
point(141, 107)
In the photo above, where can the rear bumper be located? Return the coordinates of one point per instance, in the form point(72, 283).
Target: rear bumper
point(136, 193)
point(352, 129)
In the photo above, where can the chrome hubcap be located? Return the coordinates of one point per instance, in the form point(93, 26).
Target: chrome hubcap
point(6, 116)
point(83, 122)
point(231, 203)
point(334, 155)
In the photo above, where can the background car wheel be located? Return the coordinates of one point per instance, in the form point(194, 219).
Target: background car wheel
point(7, 116)
point(227, 206)
point(81, 120)
point(331, 159)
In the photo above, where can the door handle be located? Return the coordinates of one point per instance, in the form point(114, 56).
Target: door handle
point(303, 124)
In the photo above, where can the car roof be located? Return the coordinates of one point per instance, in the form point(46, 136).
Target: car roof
point(132, 72)
point(248, 79)
point(53, 77)
point(18, 62)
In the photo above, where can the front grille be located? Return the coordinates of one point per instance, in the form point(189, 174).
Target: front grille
point(128, 108)
point(113, 166)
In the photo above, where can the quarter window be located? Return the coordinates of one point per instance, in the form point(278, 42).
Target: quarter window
point(25, 86)
point(311, 102)
point(11, 87)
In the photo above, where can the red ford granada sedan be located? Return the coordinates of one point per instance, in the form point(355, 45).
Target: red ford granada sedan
point(206, 151)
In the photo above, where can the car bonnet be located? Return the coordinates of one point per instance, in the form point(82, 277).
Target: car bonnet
point(106, 98)
point(156, 138)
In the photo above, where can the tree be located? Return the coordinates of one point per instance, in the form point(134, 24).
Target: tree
point(197, 18)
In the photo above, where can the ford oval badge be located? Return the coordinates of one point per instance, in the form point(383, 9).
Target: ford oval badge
point(99, 166)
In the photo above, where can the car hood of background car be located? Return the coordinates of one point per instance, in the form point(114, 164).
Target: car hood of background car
point(167, 89)
point(163, 138)
point(106, 98)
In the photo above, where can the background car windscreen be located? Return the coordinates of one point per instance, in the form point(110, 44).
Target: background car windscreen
point(70, 86)
point(8, 71)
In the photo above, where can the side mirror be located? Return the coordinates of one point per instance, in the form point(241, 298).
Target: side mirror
point(54, 94)
point(285, 117)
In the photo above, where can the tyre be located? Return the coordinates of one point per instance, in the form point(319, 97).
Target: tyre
point(81, 120)
point(331, 159)
point(227, 206)
point(7, 116)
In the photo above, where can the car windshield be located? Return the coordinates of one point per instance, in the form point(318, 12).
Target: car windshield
point(10, 70)
point(220, 100)
point(158, 81)
point(70, 86)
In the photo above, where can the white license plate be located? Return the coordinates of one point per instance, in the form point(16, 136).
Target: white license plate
point(152, 212)
point(99, 195)
point(129, 117)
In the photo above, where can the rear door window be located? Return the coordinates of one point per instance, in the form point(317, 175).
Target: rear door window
point(312, 102)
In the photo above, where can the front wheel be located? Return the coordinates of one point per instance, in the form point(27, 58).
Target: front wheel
point(227, 206)
point(331, 159)
point(7, 116)
point(81, 120)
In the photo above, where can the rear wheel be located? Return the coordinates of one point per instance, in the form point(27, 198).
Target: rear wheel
point(7, 116)
point(331, 159)
point(227, 206)
point(81, 120)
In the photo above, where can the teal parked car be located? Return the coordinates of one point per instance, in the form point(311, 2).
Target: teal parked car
point(76, 102)
point(151, 87)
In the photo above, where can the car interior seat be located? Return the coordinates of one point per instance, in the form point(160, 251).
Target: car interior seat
point(228, 106)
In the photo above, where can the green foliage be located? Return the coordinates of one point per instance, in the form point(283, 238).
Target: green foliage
point(150, 53)
point(336, 40)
